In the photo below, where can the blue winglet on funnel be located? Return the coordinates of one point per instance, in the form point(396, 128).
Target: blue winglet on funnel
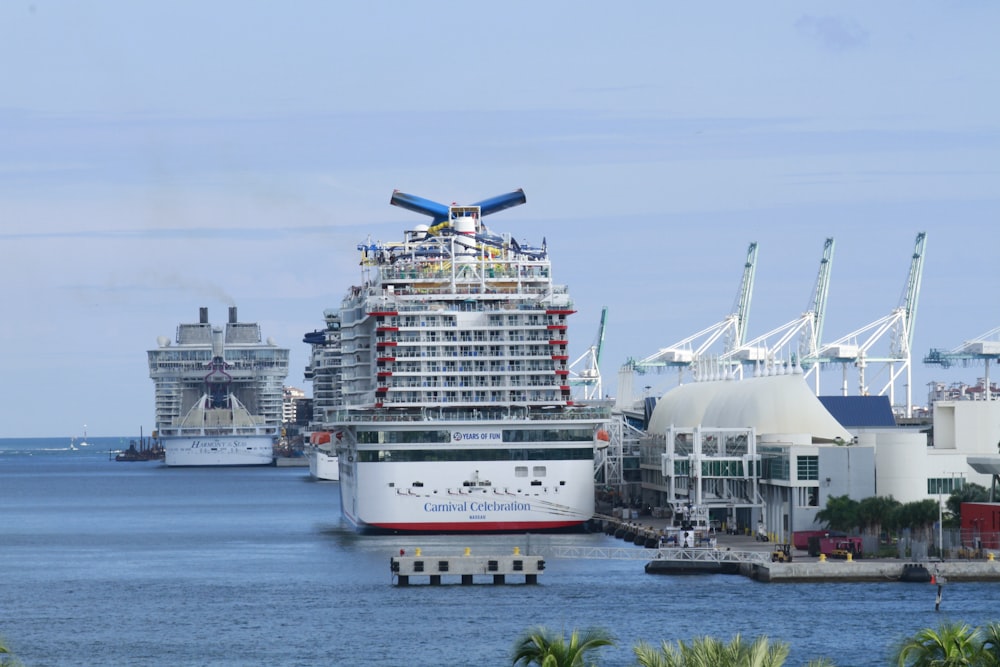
point(501, 202)
point(439, 212)
point(420, 205)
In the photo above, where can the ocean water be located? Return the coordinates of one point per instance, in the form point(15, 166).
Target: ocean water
point(109, 563)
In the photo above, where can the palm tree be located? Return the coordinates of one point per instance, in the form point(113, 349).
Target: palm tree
point(840, 513)
point(712, 652)
point(919, 516)
point(876, 514)
point(950, 645)
point(545, 648)
point(7, 659)
point(991, 642)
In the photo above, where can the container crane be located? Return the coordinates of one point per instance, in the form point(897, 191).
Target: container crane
point(684, 354)
point(767, 351)
point(589, 377)
point(855, 348)
point(984, 348)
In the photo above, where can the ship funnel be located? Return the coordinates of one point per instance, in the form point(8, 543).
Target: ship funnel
point(232, 315)
point(203, 315)
point(439, 212)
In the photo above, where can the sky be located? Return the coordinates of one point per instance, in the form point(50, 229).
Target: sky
point(160, 157)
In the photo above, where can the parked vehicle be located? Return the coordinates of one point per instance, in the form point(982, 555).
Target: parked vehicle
point(782, 553)
point(835, 546)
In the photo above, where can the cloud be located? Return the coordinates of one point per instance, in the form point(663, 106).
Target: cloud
point(832, 32)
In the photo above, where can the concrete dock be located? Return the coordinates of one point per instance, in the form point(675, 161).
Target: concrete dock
point(754, 559)
point(869, 570)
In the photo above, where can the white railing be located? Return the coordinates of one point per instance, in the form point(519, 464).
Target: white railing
point(664, 554)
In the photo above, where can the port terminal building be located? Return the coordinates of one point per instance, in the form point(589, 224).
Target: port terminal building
point(765, 453)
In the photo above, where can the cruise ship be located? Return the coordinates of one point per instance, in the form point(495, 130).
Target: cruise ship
point(218, 393)
point(454, 412)
point(323, 463)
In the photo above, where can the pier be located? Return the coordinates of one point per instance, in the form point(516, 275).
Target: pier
point(490, 569)
point(671, 560)
point(745, 555)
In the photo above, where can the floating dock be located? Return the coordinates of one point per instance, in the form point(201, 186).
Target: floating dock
point(490, 569)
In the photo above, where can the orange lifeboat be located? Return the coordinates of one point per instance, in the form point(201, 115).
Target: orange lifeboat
point(319, 437)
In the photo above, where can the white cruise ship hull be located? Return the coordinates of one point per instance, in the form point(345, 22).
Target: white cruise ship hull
point(240, 450)
point(430, 496)
point(323, 466)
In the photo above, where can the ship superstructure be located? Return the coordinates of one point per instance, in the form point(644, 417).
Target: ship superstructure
point(455, 412)
point(218, 393)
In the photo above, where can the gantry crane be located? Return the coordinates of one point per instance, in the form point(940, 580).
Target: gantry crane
point(984, 348)
point(769, 350)
point(589, 376)
point(855, 348)
point(684, 354)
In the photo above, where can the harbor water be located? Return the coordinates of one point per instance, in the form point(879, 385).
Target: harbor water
point(114, 563)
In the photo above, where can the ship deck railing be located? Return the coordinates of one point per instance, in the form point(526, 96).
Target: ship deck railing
point(382, 415)
point(533, 304)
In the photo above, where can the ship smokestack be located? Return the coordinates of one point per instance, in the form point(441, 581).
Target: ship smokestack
point(232, 315)
point(203, 315)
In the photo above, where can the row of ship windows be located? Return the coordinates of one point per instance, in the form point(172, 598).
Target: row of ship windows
point(442, 435)
point(451, 321)
point(512, 344)
point(547, 380)
point(425, 455)
point(499, 397)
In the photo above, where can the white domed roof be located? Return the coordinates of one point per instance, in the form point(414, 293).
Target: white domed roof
point(772, 404)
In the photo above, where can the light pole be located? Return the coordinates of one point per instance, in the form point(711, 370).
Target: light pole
point(941, 511)
point(940, 522)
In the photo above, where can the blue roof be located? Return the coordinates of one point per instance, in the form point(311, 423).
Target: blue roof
point(860, 411)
